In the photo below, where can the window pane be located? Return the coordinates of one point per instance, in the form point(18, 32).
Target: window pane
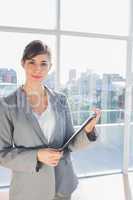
point(37, 14)
point(105, 16)
point(131, 135)
point(11, 49)
point(93, 75)
point(130, 176)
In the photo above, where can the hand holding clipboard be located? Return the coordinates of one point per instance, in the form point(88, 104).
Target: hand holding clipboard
point(86, 122)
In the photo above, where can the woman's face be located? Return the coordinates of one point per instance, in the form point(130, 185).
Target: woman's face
point(36, 68)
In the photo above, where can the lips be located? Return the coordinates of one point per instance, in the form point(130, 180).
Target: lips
point(36, 76)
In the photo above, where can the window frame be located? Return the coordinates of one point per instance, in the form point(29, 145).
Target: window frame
point(57, 32)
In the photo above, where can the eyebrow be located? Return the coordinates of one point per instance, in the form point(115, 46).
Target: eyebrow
point(41, 61)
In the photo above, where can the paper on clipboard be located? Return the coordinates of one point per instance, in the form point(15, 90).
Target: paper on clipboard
point(89, 119)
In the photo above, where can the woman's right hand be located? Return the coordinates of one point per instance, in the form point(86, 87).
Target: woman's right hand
point(49, 156)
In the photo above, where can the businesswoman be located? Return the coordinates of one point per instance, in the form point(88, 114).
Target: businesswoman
point(32, 116)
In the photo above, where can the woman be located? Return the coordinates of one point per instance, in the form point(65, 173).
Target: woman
point(32, 116)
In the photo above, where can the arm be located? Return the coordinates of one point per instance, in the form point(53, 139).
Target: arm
point(11, 157)
point(83, 139)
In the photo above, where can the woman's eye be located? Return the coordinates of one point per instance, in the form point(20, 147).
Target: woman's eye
point(31, 62)
point(44, 64)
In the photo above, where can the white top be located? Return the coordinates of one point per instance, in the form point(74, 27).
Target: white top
point(46, 121)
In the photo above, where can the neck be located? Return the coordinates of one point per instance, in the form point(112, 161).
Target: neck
point(33, 88)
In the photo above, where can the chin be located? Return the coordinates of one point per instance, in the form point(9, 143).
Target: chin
point(34, 80)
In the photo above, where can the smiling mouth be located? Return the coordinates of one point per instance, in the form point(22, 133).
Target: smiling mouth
point(37, 77)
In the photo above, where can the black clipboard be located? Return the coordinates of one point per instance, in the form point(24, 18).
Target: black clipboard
point(89, 119)
point(64, 147)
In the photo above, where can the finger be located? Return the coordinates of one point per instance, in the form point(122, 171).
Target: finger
point(98, 115)
point(54, 163)
point(55, 151)
point(97, 110)
point(55, 157)
point(51, 154)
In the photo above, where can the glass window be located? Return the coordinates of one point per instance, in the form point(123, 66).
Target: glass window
point(37, 14)
point(130, 183)
point(131, 135)
point(5, 176)
point(11, 49)
point(104, 16)
point(11, 71)
point(93, 75)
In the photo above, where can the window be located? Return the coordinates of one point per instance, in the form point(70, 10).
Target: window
point(38, 14)
point(12, 46)
point(131, 135)
point(89, 41)
point(93, 75)
point(105, 16)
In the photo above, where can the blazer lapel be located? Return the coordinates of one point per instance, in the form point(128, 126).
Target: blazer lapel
point(54, 103)
point(24, 105)
point(56, 137)
point(54, 100)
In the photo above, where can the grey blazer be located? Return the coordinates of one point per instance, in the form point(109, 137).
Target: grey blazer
point(19, 127)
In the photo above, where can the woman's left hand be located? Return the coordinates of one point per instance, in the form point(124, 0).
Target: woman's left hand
point(89, 127)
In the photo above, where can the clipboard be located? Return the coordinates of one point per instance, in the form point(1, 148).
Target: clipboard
point(89, 119)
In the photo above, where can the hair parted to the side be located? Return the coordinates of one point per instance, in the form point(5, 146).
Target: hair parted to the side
point(35, 48)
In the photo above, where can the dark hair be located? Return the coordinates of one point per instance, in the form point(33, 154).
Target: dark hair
point(35, 48)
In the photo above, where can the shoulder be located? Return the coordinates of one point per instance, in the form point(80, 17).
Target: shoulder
point(8, 102)
point(58, 96)
point(61, 97)
point(10, 99)
point(62, 100)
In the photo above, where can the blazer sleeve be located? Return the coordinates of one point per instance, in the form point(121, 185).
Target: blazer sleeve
point(82, 140)
point(11, 157)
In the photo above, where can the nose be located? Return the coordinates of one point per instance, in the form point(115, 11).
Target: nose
point(38, 67)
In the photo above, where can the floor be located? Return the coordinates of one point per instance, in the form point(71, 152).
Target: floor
point(109, 187)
